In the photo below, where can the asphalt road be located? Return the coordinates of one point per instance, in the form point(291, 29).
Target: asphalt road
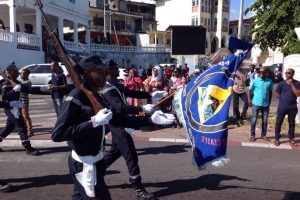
point(167, 171)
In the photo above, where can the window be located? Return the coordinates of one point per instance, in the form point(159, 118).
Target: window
point(208, 22)
point(226, 3)
point(205, 22)
point(225, 21)
point(43, 69)
point(216, 2)
point(32, 68)
point(195, 21)
point(28, 28)
point(195, 2)
point(202, 20)
point(215, 21)
point(230, 31)
point(98, 21)
point(72, 1)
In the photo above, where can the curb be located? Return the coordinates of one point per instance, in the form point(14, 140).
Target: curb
point(45, 141)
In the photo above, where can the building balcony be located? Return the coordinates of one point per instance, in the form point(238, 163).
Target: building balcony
point(21, 40)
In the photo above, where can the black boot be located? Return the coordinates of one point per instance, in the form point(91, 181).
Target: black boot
point(4, 187)
point(140, 191)
point(29, 150)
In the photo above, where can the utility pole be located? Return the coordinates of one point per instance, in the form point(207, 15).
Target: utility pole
point(240, 30)
point(104, 19)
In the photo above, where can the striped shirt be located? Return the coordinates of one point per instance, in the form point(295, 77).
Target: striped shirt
point(24, 96)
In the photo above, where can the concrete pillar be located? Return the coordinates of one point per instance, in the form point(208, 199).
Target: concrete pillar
point(12, 18)
point(38, 25)
point(61, 29)
point(88, 39)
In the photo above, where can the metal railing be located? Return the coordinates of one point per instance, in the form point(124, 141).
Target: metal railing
point(105, 47)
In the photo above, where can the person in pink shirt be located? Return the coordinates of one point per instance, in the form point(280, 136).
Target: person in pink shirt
point(133, 82)
point(177, 80)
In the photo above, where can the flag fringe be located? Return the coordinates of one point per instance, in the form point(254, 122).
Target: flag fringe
point(219, 162)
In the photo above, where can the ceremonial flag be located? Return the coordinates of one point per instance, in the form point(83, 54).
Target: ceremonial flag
point(204, 109)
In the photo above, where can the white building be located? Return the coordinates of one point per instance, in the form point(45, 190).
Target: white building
point(25, 39)
point(212, 14)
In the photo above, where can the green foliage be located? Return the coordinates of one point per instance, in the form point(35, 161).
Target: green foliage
point(274, 24)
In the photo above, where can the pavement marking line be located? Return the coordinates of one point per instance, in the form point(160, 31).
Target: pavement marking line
point(36, 116)
point(34, 143)
point(182, 140)
point(162, 140)
point(253, 144)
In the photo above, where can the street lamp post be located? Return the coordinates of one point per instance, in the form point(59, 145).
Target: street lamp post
point(240, 30)
point(104, 18)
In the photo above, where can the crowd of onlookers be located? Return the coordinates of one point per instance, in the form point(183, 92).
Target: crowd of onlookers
point(158, 78)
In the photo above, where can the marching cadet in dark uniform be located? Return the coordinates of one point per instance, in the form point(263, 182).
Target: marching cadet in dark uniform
point(113, 95)
point(14, 117)
point(5, 187)
point(84, 132)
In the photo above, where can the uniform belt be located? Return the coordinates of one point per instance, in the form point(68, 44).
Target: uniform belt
point(87, 159)
point(88, 177)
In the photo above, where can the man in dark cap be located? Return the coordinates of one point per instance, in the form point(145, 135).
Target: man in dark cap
point(11, 89)
point(84, 131)
point(114, 95)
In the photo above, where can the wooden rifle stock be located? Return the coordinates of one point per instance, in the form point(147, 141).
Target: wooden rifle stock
point(68, 63)
point(163, 100)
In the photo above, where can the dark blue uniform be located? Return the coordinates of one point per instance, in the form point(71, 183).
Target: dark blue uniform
point(8, 94)
point(72, 126)
point(122, 143)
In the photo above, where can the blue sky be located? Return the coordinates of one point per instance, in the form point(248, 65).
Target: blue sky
point(235, 7)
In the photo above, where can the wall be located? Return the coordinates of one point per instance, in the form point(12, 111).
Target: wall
point(20, 56)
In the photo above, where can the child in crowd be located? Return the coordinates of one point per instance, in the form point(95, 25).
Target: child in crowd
point(24, 74)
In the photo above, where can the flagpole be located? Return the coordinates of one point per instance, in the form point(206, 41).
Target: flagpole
point(240, 30)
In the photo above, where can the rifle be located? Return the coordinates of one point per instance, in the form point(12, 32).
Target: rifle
point(163, 100)
point(68, 63)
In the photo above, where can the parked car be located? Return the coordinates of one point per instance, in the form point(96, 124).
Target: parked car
point(40, 75)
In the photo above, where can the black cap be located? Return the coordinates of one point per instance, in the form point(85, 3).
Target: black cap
point(92, 62)
point(110, 63)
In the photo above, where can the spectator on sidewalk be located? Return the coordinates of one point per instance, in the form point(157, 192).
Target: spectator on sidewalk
point(251, 73)
point(58, 86)
point(287, 105)
point(259, 97)
point(24, 97)
point(240, 80)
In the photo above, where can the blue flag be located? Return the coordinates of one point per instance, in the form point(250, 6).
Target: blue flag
point(205, 103)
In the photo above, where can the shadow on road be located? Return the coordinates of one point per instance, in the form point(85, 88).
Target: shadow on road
point(291, 196)
point(169, 149)
point(209, 182)
point(51, 150)
point(40, 181)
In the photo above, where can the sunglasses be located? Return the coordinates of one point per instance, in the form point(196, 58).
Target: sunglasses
point(288, 72)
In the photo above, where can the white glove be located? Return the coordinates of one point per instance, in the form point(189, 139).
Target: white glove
point(45, 88)
point(101, 118)
point(161, 118)
point(159, 94)
point(148, 108)
point(17, 104)
point(17, 88)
